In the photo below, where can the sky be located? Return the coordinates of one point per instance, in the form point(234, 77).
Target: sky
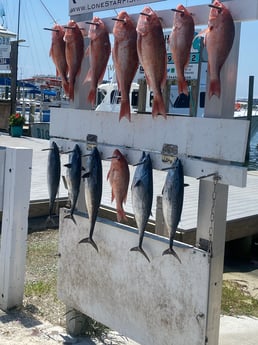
point(34, 53)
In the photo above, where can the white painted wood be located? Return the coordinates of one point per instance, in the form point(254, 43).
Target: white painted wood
point(2, 165)
point(214, 233)
point(151, 303)
point(241, 11)
point(14, 226)
point(199, 137)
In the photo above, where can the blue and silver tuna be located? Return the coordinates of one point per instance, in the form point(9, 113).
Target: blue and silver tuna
point(172, 202)
point(142, 196)
point(93, 191)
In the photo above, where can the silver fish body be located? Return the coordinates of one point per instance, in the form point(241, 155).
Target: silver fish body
point(93, 191)
point(73, 177)
point(142, 196)
point(53, 175)
point(172, 202)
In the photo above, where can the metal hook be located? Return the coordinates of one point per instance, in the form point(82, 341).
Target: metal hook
point(216, 7)
point(145, 14)
point(215, 174)
point(56, 30)
point(119, 20)
point(93, 23)
point(179, 11)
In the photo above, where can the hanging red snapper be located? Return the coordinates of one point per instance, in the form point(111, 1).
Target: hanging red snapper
point(99, 52)
point(153, 57)
point(74, 51)
point(125, 59)
point(57, 53)
point(118, 177)
point(180, 42)
point(219, 39)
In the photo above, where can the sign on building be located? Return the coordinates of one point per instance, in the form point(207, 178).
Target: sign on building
point(5, 49)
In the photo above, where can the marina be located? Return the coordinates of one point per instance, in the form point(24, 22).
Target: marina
point(242, 213)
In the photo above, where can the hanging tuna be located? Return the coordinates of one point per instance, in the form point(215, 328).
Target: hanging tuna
point(142, 196)
point(73, 178)
point(93, 191)
point(125, 59)
point(172, 202)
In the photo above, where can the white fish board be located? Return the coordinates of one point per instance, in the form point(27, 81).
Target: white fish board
point(205, 138)
point(17, 180)
point(161, 302)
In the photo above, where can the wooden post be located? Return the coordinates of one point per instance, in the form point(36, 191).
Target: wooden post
point(17, 181)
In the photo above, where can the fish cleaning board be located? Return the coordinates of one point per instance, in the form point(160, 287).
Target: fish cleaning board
point(152, 303)
point(203, 144)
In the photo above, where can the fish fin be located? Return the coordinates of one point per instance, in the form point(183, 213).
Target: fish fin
point(86, 175)
point(70, 216)
point(171, 251)
point(158, 107)
point(90, 241)
point(125, 110)
point(68, 165)
point(112, 196)
point(88, 76)
point(140, 250)
point(214, 88)
point(182, 87)
point(92, 96)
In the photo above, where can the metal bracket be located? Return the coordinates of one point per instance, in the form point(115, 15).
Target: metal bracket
point(91, 141)
point(169, 153)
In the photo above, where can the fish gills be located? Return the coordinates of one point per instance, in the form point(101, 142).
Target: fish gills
point(172, 202)
point(74, 52)
point(153, 56)
point(218, 41)
point(99, 52)
point(125, 59)
point(142, 196)
point(57, 53)
point(180, 43)
point(93, 191)
point(118, 177)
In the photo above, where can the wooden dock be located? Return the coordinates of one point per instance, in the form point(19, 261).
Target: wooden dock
point(242, 213)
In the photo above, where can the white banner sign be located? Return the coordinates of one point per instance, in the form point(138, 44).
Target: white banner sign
point(5, 49)
point(85, 6)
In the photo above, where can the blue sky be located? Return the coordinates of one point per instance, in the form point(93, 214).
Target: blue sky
point(34, 53)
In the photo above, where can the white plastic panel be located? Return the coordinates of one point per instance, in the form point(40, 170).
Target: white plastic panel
point(150, 302)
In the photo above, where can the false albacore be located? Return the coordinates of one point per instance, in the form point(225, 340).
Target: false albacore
point(53, 176)
point(73, 178)
point(93, 191)
point(172, 202)
point(142, 195)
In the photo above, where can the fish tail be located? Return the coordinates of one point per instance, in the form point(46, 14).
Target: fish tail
point(51, 221)
point(92, 96)
point(140, 250)
point(158, 107)
point(71, 90)
point(214, 88)
point(171, 251)
point(70, 216)
point(182, 87)
point(125, 110)
point(121, 215)
point(90, 241)
point(65, 85)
